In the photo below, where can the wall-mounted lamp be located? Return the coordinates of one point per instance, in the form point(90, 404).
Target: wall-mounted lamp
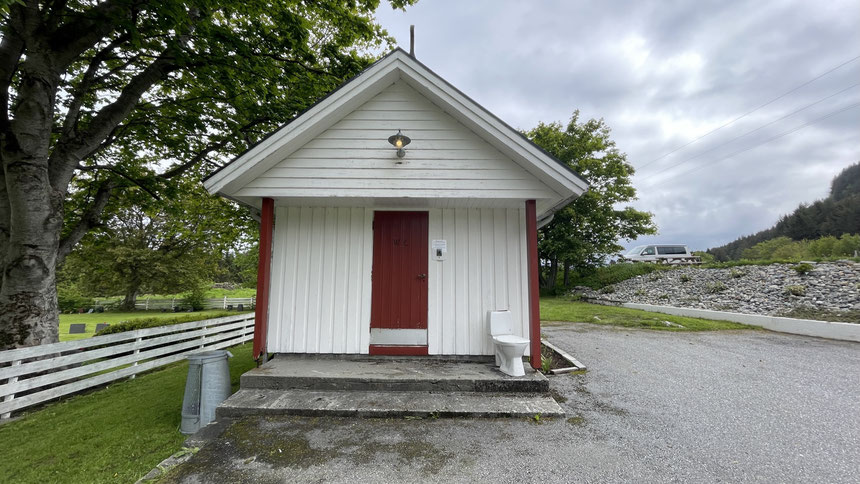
point(399, 140)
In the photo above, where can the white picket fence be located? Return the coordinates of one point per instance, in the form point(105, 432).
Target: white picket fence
point(71, 366)
point(216, 303)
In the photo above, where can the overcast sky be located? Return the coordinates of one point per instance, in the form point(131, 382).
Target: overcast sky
point(662, 74)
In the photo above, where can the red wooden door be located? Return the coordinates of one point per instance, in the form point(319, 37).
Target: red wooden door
point(398, 308)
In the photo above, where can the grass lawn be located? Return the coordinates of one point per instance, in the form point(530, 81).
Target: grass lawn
point(116, 434)
point(91, 320)
point(563, 309)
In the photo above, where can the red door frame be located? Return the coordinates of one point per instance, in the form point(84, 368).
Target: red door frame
point(264, 275)
point(386, 288)
point(534, 289)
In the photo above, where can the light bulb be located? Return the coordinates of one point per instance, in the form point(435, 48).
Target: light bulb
point(398, 143)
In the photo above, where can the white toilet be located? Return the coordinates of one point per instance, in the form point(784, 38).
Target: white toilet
point(509, 348)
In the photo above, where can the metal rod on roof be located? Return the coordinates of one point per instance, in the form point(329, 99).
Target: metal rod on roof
point(412, 40)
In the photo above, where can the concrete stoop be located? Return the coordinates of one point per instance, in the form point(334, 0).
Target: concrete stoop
point(392, 404)
point(388, 387)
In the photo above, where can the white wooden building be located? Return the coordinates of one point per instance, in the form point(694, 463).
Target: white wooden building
point(364, 251)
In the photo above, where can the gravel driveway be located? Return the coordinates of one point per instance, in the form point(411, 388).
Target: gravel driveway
point(738, 406)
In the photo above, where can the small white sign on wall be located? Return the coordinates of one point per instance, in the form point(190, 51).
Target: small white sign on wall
point(439, 249)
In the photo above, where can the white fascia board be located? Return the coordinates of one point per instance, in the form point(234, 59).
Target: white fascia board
point(476, 116)
point(302, 129)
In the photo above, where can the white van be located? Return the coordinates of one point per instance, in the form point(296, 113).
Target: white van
point(667, 254)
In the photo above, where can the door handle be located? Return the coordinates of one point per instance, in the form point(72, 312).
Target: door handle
point(422, 276)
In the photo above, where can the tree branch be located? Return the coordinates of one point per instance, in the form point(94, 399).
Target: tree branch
point(89, 219)
point(65, 156)
point(80, 91)
point(122, 174)
point(202, 154)
point(11, 49)
point(86, 29)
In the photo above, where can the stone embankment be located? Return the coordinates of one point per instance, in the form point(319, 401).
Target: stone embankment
point(771, 290)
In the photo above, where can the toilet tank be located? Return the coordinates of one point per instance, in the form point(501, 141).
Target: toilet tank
point(501, 322)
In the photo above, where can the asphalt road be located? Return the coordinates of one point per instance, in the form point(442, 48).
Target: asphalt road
point(731, 406)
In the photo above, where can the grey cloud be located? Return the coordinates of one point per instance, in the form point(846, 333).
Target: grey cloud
point(661, 74)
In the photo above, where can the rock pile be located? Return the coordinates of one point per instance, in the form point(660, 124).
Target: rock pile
point(772, 289)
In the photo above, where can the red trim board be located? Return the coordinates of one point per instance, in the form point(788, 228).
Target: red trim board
point(264, 273)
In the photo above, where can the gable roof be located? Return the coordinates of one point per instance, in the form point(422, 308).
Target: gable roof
point(397, 65)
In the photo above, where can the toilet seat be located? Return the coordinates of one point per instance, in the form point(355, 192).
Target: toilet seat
point(509, 339)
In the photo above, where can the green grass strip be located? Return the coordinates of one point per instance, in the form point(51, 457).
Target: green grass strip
point(115, 434)
point(566, 310)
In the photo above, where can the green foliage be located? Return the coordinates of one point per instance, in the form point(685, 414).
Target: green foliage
point(152, 322)
point(613, 274)
point(564, 310)
point(149, 245)
point(705, 257)
point(715, 287)
point(684, 278)
point(783, 248)
point(585, 232)
point(834, 216)
point(115, 434)
point(194, 299)
point(795, 290)
point(803, 269)
point(607, 289)
point(736, 274)
point(69, 299)
point(545, 364)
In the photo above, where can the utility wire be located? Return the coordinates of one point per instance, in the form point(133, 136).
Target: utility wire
point(749, 132)
point(798, 128)
point(752, 111)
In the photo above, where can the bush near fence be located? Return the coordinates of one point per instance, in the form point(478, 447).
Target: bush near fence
point(142, 323)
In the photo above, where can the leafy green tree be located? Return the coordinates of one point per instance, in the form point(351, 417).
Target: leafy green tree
point(585, 232)
point(129, 93)
point(158, 246)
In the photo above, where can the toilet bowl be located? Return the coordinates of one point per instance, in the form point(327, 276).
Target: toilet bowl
point(509, 348)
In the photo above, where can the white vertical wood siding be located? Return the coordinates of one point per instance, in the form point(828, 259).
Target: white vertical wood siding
point(320, 287)
point(485, 270)
point(353, 158)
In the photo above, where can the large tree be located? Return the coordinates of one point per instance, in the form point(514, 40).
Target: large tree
point(94, 91)
point(586, 231)
point(165, 246)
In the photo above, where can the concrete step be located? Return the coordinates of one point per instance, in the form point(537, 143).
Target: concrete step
point(392, 404)
point(291, 372)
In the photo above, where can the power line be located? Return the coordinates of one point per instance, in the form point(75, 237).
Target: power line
point(798, 128)
point(749, 132)
point(752, 111)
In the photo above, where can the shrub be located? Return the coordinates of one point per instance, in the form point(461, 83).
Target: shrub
point(151, 322)
point(70, 300)
point(615, 273)
point(715, 287)
point(194, 300)
point(684, 278)
point(795, 290)
point(803, 269)
point(736, 274)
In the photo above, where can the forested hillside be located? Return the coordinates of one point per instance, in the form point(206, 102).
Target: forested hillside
point(835, 215)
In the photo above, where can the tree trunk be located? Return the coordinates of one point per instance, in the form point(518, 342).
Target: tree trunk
point(28, 295)
point(567, 264)
point(553, 273)
point(130, 300)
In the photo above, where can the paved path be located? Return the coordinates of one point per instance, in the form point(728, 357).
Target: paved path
point(739, 406)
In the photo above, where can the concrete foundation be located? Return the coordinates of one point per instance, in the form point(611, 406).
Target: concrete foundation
point(388, 387)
